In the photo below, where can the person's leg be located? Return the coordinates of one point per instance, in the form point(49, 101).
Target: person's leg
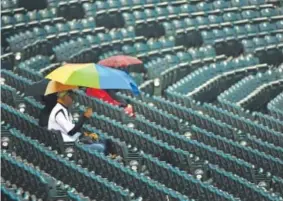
point(96, 146)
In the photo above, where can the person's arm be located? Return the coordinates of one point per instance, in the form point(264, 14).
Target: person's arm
point(68, 126)
point(78, 125)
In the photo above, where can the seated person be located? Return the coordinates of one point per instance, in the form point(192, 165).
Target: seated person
point(61, 120)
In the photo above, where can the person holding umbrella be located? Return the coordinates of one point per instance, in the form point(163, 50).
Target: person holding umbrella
point(88, 75)
point(61, 120)
point(57, 98)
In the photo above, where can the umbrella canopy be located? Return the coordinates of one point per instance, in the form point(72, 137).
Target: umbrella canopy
point(123, 61)
point(46, 87)
point(93, 76)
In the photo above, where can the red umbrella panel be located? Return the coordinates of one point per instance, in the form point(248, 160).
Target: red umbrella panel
point(132, 64)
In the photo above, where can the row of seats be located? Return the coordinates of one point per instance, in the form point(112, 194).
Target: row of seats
point(7, 194)
point(210, 124)
point(250, 45)
point(168, 153)
point(32, 74)
point(36, 67)
point(235, 184)
point(125, 177)
point(84, 24)
point(150, 131)
point(59, 29)
point(27, 18)
point(156, 66)
point(89, 163)
point(165, 172)
point(121, 36)
point(25, 176)
point(245, 90)
point(36, 63)
point(96, 159)
point(178, 71)
point(259, 159)
point(198, 79)
point(196, 148)
point(275, 106)
point(7, 4)
point(104, 12)
point(246, 125)
point(174, 13)
point(268, 121)
point(78, 24)
point(95, 186)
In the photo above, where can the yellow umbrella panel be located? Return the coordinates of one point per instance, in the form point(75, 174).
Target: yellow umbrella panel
point(55, 87)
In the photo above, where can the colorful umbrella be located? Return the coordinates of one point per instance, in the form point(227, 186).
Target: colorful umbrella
point(93, 76)
point(123, 61)
point(46, 87)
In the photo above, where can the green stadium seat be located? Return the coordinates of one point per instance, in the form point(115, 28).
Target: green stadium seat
point(178, 24)
point(20, 19)
point(231, 17)
point(162, 13)
point(173, 11)
point(253, 2)
point(130, 19)
point(139, 15)
point(219, 34)
point(141, 48)
point(169, 29)
point(88, 23)
point(215, 19)
point(239, 3)
point(7, 20)
point(204, 6)
point(188, 8)
point(50, 29)
point(271, 40)
point(266, 27)
point(151, 14)
point(208, 37)
point(89, 9)
point(202, 21)
point(249, 45)
point(252, 29)
point(219, 4)
point(184, 56)
point(249, 14)
point(230, 32)
point(259, 42)
point(268, 12)
point(279, 24)
point(190, 22)
point(46, 14)
point(75, 25)
point(129, 50)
